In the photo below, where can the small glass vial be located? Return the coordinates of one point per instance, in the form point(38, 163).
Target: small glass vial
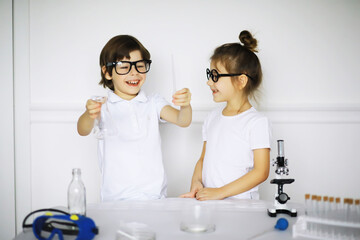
point(77, 194)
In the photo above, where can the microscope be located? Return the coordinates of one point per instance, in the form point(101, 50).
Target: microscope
point(281, 197)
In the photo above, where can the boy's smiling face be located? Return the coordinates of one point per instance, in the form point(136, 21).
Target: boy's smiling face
point(128, 86)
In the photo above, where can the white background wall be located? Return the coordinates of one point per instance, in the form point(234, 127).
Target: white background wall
point(7, 180)
point(310, 57)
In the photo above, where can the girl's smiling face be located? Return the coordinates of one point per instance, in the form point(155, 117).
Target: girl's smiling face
point(223, 90)
point(128, 86)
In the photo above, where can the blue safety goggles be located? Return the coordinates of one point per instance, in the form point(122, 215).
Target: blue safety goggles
point(46, 226)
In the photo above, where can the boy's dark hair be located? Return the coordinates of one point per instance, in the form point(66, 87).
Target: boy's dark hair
point(238, 58)
point(116, 49)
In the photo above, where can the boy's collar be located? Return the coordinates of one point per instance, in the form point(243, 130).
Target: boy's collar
point(141, 97)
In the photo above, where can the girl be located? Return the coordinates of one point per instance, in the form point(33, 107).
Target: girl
point(236, 150)
point(131, 160)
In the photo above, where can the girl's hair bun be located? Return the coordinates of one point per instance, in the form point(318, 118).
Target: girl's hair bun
point(248, 41)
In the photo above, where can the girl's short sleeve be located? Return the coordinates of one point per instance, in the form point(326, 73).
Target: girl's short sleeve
point(260, 134)
point(204, 138)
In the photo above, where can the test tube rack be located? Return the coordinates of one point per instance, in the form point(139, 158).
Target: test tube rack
point(328, 218)
point(326, 228)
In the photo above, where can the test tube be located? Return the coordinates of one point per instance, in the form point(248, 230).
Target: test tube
point(351, 210)
point(326, 206)
point(326, 211)
point(338, 209)
point(346, 209)
point(357, 210)
point(331, 215)
point(350, 217)
point(331, 207)
point(312, 213)
point(319, 205)
point(173, 73)
point(357, 217)
point(320, 212)
point(313, 205)
point(340, 217)
point(307, 204)
point(308, 210)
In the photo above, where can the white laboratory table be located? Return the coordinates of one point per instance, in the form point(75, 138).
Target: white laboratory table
point(234, 219)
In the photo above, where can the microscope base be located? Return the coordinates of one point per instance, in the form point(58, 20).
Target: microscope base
point(273, 212)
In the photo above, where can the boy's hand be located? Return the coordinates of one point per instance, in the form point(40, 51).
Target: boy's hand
point(182, 97)
point(209, 194)
point(93, 108)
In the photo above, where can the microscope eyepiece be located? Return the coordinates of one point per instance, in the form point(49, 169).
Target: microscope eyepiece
point(280, 144)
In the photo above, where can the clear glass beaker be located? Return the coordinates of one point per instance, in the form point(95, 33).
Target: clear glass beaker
point(197, 218)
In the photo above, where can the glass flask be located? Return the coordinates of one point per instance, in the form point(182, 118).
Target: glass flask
point(76, 194)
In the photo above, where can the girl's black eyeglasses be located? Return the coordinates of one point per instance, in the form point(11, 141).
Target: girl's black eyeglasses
point(215, 75)
point(124, 67)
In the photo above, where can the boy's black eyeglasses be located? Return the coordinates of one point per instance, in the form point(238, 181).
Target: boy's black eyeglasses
point(124, 67)
point(215, 75)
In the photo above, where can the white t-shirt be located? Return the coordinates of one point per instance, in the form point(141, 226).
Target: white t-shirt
point(230, 141)
point(130, 157)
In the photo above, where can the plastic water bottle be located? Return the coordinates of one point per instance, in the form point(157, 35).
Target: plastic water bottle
point(77, 194)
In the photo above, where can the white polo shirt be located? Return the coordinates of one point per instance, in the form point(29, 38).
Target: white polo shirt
point(230, 141)
point(131, 160)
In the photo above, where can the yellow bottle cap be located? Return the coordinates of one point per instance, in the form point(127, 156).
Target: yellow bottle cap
point(74, 217)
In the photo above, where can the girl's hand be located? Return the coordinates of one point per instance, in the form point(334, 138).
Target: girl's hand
point(182, 97)
point(188, 195)
point(93, 108)
point(209, 194)
point(195, 187)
